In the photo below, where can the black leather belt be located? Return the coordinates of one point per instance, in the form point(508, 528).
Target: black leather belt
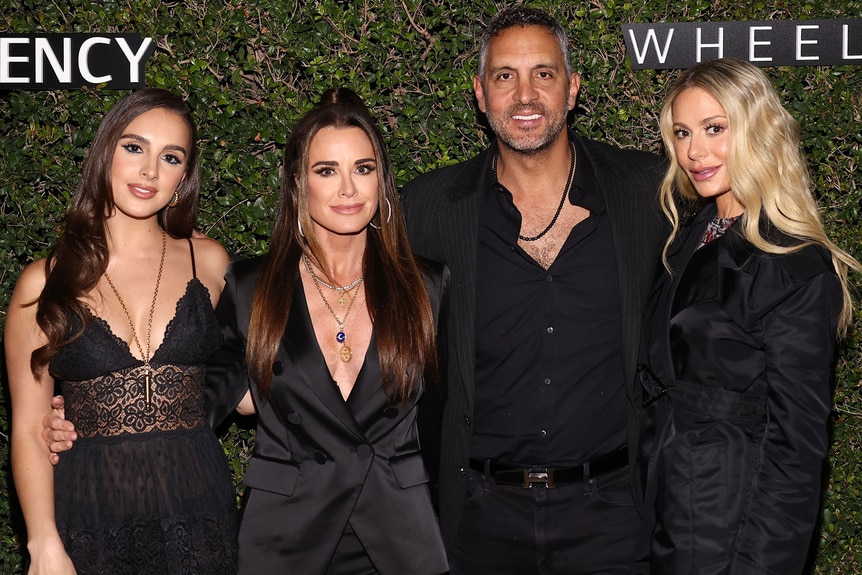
point(550, 477)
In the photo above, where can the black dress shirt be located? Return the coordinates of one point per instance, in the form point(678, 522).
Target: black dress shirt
point(549, 375)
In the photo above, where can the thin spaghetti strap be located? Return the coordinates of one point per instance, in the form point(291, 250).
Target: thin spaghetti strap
point(192, 252)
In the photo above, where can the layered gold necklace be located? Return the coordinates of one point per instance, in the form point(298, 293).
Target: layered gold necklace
point(145, 357)
point(345, 354)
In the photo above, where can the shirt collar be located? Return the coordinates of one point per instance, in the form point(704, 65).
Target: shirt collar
point(585, 189)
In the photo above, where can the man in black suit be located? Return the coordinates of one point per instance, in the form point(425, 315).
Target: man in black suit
point(552, 241)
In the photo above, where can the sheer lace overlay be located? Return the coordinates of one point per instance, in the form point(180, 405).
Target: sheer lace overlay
point(115, 403)
point(146, 488)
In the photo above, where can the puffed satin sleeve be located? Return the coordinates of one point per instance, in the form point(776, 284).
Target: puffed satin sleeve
point(799, 334)
point(227, 378)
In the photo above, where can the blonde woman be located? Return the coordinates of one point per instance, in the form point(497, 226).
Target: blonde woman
point(740, 334)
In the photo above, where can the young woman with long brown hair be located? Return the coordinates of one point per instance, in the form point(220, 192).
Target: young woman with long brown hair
point(120, 315)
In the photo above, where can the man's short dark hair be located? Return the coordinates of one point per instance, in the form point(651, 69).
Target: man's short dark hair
point(523, 16)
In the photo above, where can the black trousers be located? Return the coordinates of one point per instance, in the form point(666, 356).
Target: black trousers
point(586, 528)
point(350, 557)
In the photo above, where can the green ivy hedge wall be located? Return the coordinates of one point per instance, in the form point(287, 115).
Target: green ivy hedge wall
point(250, 69)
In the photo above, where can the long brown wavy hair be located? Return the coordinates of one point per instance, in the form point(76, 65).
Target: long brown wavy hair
point(395, 293)
point(80, 257)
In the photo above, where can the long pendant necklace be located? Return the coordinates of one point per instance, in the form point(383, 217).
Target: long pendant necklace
point(562, 199)
point(345, 354)
point(148, 370)
point(340, 290)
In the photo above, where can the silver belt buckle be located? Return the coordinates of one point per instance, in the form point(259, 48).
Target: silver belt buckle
point(532, 476)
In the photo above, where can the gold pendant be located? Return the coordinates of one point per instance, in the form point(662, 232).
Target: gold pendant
point(345, 353)
point(342, 300)
point(148, 383)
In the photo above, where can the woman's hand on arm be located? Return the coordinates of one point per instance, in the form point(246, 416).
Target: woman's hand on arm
point(31, 400)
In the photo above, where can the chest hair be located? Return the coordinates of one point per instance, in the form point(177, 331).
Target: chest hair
point(545, 250)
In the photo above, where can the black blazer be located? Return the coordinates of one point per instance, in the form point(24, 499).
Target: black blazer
point(319, 461)
point(744, 343)
point(441, 208)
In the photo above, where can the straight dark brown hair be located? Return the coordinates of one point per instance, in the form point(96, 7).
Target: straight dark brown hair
point(395, 293)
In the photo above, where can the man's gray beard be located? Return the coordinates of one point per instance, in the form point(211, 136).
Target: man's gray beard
point(544, 142)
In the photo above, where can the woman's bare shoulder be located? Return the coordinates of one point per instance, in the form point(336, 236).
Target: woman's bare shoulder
point(211, 255)
point(30, 282)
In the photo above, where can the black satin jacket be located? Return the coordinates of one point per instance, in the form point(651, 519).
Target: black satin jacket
point(319, 461)
point(743, 341)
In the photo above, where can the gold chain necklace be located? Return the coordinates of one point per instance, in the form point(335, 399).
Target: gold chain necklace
point(148, 370)
point(345, 354)
point(341, 290)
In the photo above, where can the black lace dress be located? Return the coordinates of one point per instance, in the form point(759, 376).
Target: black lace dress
point(146, 488)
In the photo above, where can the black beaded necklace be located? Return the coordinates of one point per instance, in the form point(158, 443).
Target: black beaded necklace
point(562, 199)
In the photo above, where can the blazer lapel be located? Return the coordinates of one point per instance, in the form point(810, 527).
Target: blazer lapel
point(300, 345)
point(368, 400)
point(685, 247)
point(368, 382)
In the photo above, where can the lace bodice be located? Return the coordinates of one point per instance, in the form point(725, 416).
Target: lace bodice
point(102, 381)
point(98, 350)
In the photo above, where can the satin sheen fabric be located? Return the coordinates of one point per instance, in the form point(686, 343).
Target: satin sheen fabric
point(320, 461)
point(744, 343)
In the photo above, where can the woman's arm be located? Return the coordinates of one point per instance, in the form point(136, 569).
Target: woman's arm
point(799, 336)
point(215, 261)
point(31, 400)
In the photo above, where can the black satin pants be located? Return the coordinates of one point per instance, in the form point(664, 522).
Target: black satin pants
point(350, 557)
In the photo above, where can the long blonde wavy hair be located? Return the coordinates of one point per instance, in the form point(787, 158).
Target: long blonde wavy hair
point(771, 181)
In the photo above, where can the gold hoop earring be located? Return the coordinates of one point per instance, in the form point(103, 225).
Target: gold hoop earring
point(175, 201)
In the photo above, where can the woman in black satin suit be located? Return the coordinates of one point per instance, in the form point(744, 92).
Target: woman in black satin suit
point(334, 332)
point(740, 335)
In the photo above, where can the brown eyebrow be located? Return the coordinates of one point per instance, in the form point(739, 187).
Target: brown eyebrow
point(334, 163)
point(324, 163)
point(144, 140)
